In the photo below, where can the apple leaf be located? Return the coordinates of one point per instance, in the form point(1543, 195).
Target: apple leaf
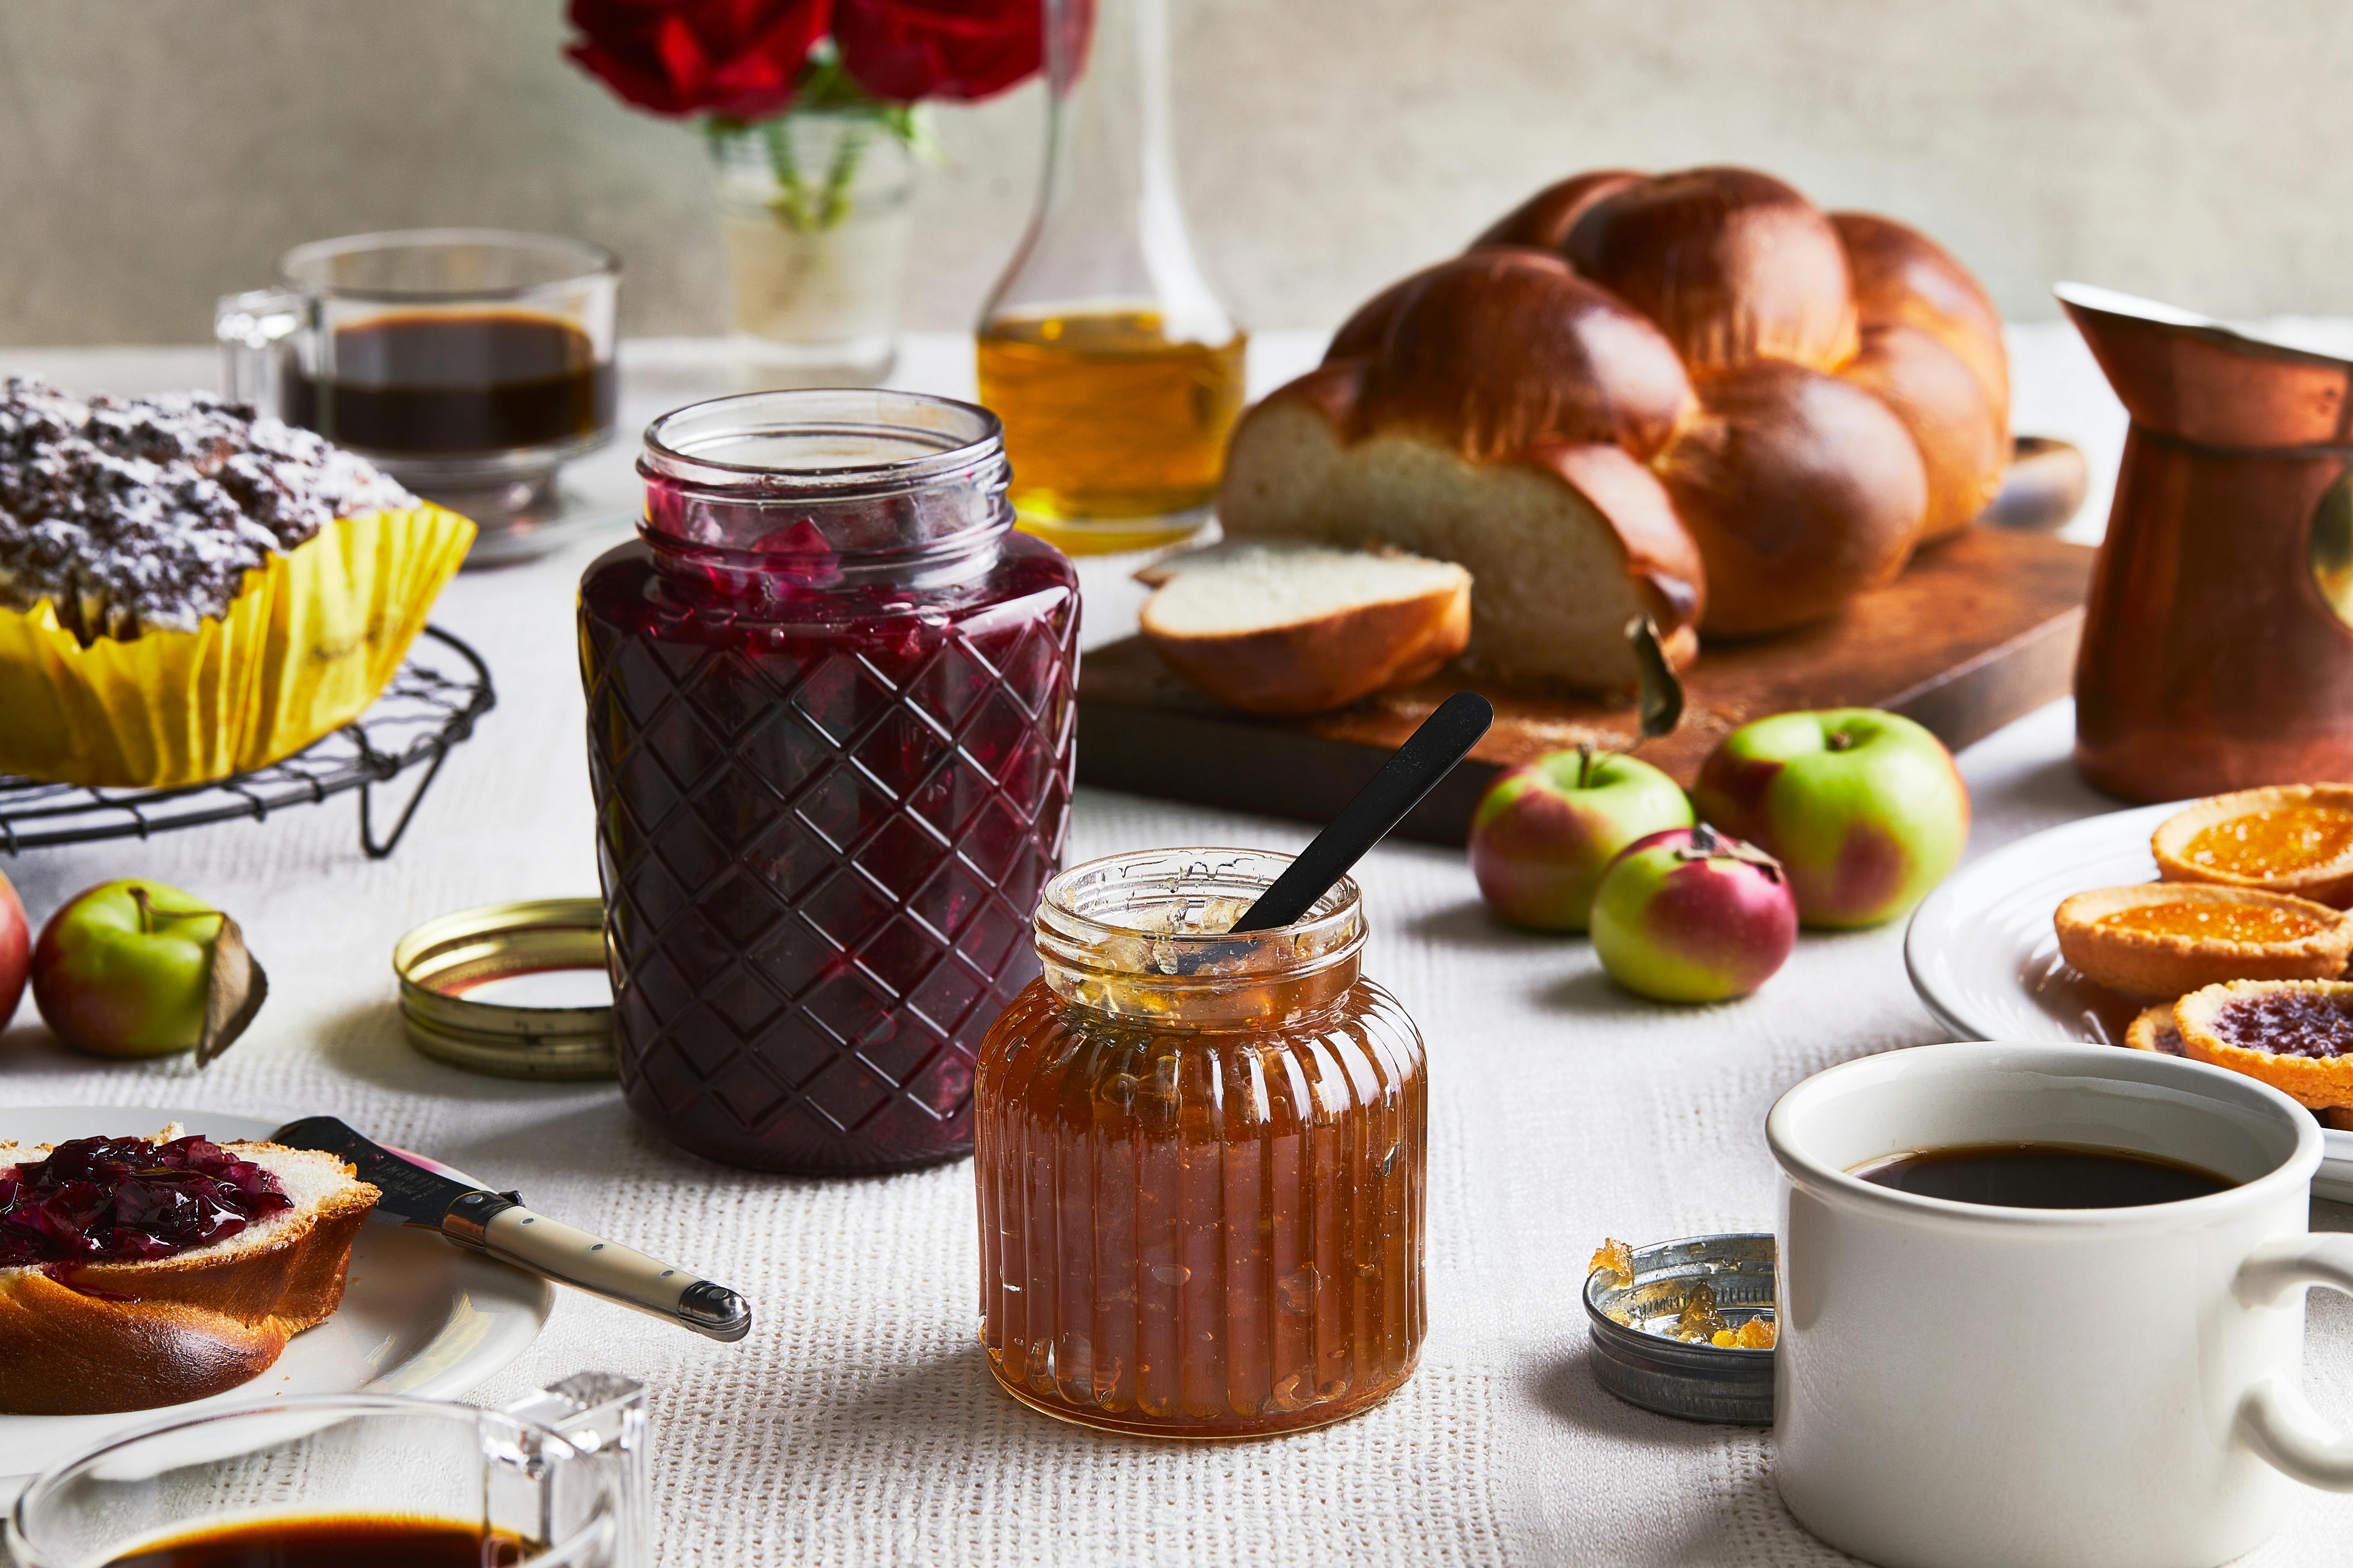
point(234, 994)
point(1709, 844)
point(1662, 694)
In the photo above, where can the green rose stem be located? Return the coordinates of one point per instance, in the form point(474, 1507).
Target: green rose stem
point(808, 207)
point(804, 209)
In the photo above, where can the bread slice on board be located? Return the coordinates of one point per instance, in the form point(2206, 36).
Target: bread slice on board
point(89, 1338)
point(1287, 627)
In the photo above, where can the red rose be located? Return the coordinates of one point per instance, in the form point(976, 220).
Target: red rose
point(906, 49)
point(734, 57)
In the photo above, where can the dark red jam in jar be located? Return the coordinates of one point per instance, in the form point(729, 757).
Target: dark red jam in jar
point(831, 728)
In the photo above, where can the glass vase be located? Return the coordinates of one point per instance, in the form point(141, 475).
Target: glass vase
point(815, 209)
point(1115, 367)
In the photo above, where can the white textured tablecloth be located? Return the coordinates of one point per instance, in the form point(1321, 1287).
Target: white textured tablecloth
point(858, 1425)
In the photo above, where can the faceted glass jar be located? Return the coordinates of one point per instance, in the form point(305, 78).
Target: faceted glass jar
point(830, 735)
point(1200, 1160)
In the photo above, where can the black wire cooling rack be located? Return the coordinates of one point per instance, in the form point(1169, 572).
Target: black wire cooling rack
point(430, 707)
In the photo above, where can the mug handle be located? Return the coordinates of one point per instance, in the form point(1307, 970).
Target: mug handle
point(249, 327)
point(2274, 1418)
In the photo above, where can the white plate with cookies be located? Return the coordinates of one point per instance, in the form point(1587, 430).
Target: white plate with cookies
point(419, 1315)
point(1985, 958)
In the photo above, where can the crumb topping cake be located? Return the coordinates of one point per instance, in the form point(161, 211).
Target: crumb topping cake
point(138, 514)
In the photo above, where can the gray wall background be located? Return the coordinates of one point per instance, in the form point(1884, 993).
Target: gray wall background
point(156, 152)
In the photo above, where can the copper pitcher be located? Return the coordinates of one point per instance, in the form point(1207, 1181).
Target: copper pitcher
point(2218, 645)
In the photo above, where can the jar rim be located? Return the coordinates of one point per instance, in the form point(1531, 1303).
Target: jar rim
point(1081, 935)
point(568, 263)
point(941, 434)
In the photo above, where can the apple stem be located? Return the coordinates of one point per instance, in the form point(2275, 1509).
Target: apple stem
point(149, 914)
point(1840, 740)
point(1583, 763)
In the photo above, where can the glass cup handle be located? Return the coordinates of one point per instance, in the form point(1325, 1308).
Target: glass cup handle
point(250, 327)
point(602, 1414)
point(2275, 1419)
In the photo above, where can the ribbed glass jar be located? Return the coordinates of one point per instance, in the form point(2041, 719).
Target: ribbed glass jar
point(830, 721)
point(1200, 1160)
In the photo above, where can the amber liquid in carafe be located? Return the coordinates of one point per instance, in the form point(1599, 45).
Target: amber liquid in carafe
point(1113, 428)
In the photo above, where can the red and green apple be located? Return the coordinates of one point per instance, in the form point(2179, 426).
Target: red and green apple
point(1691, 915)
point(15, 951)
point(1863, 809)
point(1545, 832)
point(127, 968)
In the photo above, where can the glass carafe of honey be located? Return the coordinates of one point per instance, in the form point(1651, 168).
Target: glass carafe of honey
point(1200, 1159)
point(1116, 370)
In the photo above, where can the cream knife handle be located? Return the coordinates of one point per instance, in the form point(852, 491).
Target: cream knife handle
point(571, 1256)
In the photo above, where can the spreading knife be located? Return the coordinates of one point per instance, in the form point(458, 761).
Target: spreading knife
point(496, 1225)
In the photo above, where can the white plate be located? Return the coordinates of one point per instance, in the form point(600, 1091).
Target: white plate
point(1985, 959)
point(419, 1315)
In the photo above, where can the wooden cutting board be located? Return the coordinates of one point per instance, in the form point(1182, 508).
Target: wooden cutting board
point(1978, 631)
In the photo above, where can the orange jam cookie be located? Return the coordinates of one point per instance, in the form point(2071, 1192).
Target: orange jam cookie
point(2157, 940)
point(2288, 838)
point(2295, 1035)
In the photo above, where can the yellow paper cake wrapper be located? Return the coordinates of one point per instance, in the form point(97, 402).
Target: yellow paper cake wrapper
point(309, 641)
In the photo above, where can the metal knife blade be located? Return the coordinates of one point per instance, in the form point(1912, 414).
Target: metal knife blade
point(411, 1193)
point(498, 1226)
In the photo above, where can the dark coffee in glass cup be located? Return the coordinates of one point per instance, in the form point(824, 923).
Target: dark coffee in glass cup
point(470, 364)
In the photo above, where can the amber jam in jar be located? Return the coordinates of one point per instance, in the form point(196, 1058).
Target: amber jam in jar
point(1200, 1160)
point(830, 735)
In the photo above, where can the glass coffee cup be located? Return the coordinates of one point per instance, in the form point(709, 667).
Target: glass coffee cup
point(470, 364)
point(557, 1480)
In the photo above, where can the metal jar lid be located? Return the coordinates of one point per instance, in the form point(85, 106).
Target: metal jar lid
point(443, 963)
point(1692, 1380)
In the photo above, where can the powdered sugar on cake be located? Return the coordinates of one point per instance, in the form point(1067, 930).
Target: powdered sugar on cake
point(145, 513)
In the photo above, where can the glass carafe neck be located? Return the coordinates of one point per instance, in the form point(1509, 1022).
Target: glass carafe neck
point(1108, 231)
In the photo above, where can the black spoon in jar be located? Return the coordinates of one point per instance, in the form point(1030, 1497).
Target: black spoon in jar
point(1428, 755)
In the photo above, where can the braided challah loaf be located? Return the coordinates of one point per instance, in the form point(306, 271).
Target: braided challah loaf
point(1693, 395)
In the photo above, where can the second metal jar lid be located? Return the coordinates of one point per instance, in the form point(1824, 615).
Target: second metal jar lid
point(1693, 1380)
point(445, 960)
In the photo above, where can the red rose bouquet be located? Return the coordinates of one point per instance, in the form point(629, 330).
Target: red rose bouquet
point(740, 63)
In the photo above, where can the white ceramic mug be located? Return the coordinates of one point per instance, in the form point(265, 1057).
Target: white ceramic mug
point(1959, 1385)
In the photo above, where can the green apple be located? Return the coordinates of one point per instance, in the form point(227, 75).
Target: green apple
point(1545, 832)
point(1864, 810)
point(125, 969)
